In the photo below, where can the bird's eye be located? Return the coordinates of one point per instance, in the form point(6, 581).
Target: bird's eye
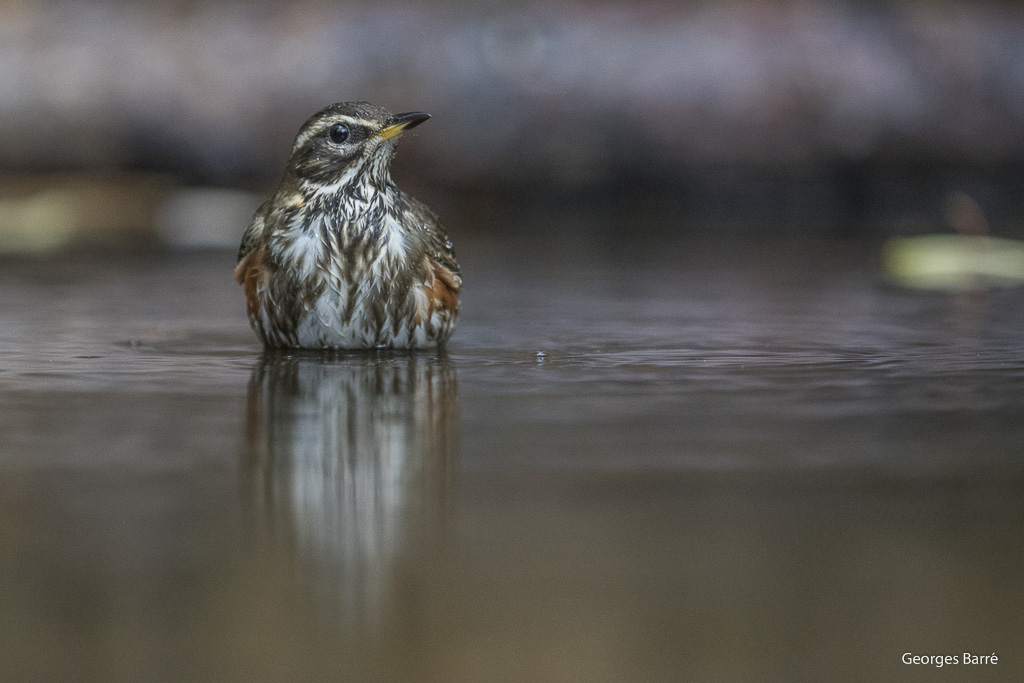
point(338, 133)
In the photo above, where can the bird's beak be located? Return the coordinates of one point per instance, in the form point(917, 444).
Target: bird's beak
point(401, 123)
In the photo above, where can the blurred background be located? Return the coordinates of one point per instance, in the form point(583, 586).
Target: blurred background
point(123, 121)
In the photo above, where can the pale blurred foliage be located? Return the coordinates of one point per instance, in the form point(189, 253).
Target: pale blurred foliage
point(38, 215)
point(954, 262)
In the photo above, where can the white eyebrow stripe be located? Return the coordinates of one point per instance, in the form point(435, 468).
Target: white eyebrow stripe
point(302, 140)
point(362, 122)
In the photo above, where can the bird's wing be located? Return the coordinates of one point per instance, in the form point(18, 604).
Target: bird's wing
point(435, 241)
point(442, 279)
point(442, 289)
point(252, 234)
point(441, 255)
point(248, 250)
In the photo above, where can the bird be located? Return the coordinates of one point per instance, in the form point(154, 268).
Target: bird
point(339, 257)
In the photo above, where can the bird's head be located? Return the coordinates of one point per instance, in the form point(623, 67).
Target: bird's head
point(349, 143)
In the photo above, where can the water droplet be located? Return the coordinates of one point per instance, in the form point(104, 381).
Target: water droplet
point(540, 356)
point(447, 244)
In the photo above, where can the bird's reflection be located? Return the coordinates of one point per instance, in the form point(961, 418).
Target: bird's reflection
point(348, 467)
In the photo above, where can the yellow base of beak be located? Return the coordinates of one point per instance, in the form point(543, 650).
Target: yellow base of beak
point(402, 123)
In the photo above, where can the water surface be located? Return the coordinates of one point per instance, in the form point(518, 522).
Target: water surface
point(755, 463)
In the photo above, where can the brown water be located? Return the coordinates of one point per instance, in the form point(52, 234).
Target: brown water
point(722, 465)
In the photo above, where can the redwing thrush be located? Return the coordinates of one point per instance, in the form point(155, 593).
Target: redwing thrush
point(339, 257)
